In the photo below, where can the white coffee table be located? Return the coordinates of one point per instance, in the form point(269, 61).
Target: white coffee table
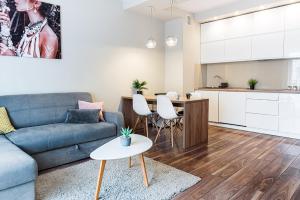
point(113, 150)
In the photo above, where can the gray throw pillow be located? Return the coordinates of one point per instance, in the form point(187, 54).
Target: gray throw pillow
point(76, 116)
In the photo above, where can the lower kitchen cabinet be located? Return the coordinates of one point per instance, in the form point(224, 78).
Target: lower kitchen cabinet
point(289, 113)
point(232, 108)
point(259, 121)
point(213, 97)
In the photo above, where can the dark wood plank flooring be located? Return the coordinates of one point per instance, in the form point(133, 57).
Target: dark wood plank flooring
point(236, 165)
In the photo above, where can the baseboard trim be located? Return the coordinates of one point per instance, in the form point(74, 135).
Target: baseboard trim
point(269, 132)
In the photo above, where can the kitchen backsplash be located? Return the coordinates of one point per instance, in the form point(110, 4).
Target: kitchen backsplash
point(272, 74)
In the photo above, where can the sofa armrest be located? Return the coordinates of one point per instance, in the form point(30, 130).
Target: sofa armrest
point(115, 118)
point(16, 167)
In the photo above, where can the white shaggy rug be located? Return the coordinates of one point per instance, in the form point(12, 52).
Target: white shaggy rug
point(119, 182)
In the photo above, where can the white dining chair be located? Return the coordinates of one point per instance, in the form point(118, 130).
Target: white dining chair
point(141, 108)
point(168, 115)
point(174, 95)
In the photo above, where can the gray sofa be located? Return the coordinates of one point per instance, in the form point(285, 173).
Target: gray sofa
point(42, 139)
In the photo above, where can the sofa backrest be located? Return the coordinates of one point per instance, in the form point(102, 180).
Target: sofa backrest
point(41, 109)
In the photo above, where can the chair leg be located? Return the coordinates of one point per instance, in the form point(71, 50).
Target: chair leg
point(136, 123)
point(158, 134)
point(172, 138)
point(146, 126)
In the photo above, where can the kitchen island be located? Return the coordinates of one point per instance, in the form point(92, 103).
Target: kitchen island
point(195, 119)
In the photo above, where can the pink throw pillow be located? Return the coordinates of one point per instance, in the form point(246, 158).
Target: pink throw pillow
point(95, 105)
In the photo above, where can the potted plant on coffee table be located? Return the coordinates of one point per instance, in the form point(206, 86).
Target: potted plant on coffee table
point(139, 86)
point(252, 83)
point(125, 138)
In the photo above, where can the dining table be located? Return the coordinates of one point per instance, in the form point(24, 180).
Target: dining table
point(195, 118)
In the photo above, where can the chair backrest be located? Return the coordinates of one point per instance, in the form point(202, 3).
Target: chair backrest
point(172, 94)
point(165, 108)
point(140, 105)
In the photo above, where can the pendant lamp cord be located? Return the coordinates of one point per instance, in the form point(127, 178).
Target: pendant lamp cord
point(171, 2)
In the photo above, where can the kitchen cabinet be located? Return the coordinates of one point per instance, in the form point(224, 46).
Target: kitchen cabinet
point(268, 34)
point(269, 21)
point(265, 122)
point(238, 49)
point(239, 26)
point(292, 16)
point(213, 31)
point(263, 96)
point(264, 107)
point(262, 111)
point(289, 113)
point(232, 108)
point(213, 52)
point(292, 44)
point(213, 97)
point(268, 46)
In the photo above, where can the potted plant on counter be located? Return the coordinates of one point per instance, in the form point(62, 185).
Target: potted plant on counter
point(252, 83)
point(125, 138)
point(139, 86)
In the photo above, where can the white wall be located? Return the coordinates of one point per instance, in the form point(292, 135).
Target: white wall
point(182, 62)
point(103, 51)
point(174, 57)
point(191, 55)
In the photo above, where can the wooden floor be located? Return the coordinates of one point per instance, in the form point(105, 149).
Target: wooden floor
point(237, 165)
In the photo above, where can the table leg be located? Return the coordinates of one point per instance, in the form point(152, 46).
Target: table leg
point(100, 176)
point(144, 170)
point(129, 163)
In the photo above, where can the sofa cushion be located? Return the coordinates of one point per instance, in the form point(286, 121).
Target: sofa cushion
point(5, 125)
point(53, 136)
point(16, 167)
point(41, 109)
point(87, 116)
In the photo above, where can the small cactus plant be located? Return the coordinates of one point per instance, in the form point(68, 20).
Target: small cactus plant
point(126, 132)
point(125, 139)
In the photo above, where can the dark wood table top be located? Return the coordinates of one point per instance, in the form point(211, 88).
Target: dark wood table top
point(181, 100)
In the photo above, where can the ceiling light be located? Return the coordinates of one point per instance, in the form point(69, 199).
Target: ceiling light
point(236, 13)
point(151, 43)
point(171, 41)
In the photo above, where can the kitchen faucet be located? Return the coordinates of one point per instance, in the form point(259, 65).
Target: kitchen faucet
point(219, 79)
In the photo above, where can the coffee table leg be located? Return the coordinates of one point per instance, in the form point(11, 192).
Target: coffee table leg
point(144, 170)
point(100, 176)
point(129, 162)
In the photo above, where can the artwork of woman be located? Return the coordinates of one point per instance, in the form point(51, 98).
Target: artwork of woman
point(38, 39)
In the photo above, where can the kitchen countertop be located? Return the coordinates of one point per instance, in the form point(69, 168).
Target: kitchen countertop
point(248, 90)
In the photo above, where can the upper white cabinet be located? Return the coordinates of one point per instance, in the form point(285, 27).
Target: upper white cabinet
point(232, 108)
point(268, 46)
point(238, 49)
point(269, 21)
point(268, 34)
point(292, 44)
point(213, 31)
point(292, 16)
point(239, 26)
point(213, 52)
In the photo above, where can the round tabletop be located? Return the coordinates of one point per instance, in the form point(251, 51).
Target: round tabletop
point(114, 150)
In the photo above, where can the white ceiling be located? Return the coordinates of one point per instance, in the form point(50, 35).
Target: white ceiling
point(202, 10)
point(194, 6)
